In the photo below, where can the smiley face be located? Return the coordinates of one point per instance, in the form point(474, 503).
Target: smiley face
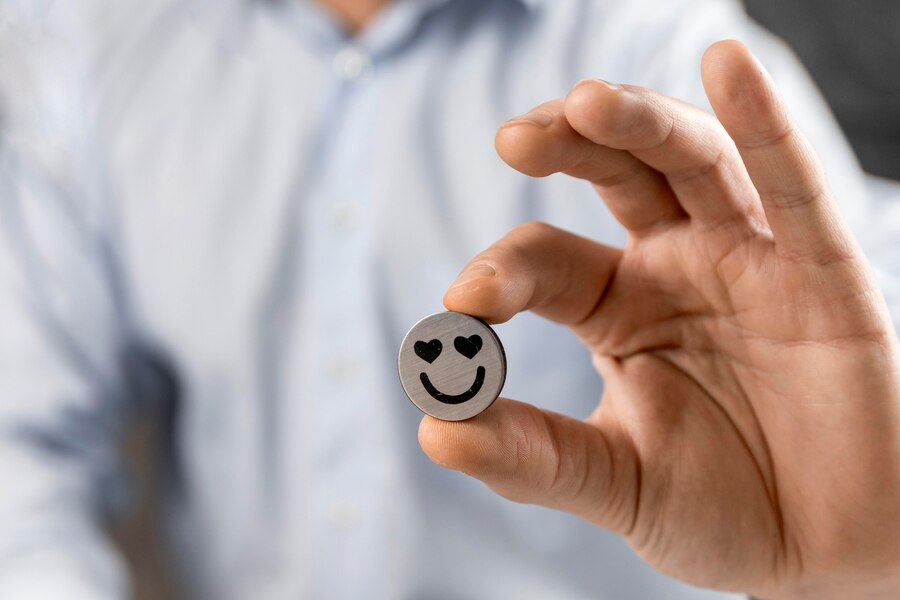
point(468, 347)
point(452, 366)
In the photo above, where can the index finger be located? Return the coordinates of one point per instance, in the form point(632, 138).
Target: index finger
point(556, 274)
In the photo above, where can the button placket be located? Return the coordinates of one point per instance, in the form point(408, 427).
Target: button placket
point(351, 63)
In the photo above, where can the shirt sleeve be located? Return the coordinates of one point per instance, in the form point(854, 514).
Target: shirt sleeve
point(60, 392)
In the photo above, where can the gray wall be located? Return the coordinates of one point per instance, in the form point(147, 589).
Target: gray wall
point(852, 49)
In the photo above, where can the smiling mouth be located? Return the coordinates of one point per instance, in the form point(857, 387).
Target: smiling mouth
point(458, 398)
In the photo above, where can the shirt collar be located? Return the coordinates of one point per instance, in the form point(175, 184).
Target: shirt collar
point(229, 16)
point(531, 4)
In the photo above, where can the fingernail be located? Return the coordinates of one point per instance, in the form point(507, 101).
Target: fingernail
point(613, 86)
point(476, 271)
point(538, 117)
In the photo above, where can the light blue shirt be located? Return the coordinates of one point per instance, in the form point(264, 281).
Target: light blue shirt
point(231, 210)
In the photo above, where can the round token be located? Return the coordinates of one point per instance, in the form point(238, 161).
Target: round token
point(452, 366)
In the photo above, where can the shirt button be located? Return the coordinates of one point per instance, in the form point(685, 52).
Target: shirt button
point(388, 471)
point(351, 63)
point(345, 218)
point(343, 516)
point(344, 369)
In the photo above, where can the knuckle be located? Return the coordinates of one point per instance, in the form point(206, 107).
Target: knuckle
point(535, 229)
point(767, 138)
point(667, 128)
point(613, 179)
point(567, 452)
point(524, 149)
point(538, 458)
point(518, 245)
point(707, 168)
point(571, 475)
point(607, 116)
point(796, 200)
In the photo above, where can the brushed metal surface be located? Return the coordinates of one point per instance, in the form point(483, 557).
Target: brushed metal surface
point(458, 368)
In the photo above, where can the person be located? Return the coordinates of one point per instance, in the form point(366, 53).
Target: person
point(235, 208)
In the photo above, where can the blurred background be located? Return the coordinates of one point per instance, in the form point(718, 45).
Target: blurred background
point(852, 50)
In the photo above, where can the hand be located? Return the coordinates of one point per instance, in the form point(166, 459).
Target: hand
point(749, 435)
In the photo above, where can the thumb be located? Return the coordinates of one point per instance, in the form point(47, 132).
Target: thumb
point(540, 457)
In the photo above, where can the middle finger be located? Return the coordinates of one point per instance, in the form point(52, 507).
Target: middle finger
point(687, 145)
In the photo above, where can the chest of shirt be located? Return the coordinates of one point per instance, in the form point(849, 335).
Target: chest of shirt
point(226, 160)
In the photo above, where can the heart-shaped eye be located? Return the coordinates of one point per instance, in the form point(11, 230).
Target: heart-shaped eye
point(468, 347)
point(428, 351)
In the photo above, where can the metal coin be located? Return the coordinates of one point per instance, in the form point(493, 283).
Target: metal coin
point(452, 366)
